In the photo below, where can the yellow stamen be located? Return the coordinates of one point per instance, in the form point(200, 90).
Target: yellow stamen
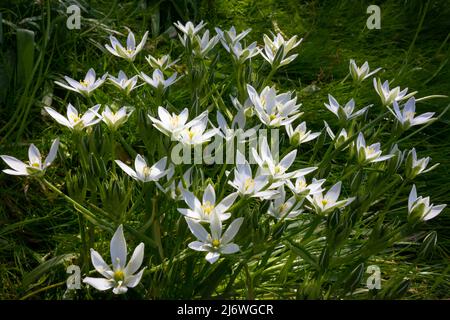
point(207, 207)
point(84, 83)
point(216, 243)
point(249, 183)
point(119, 275)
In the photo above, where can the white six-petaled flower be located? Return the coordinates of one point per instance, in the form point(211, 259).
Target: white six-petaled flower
point(161, 63)
point(86, 86)
point(158, 81)
point(34, 165)
point(323, 204)
point(300, 134)
point(272, 49)
point(129, 53)
point(407, 118)
point(302, 189)
point(74, 120)
point(420, 209)
point(274, 110)
point(414, 166)
point(215, 243)
point(344, 113)
point(115, 119)
point(142, 171)
point(122, 275)
point(202, 211)
point(369, 154)
point(122, 82)
point(388, 96)
point(359, 74)
point(280, 208)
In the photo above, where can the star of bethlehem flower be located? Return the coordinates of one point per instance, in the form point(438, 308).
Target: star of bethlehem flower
point(158, 81)
point(161, 63)
point(172, 124)
point(122, 275)
point(344, 113)
point(123, 83)
point(276, 50)
point(274, 110)
point(414, 166)
point(388, 96)
point(241, 54)
point(203, 45)
point(229, 38)
point(86, 86)
point(34, 164)
point(338, 140)
point(142, 172)
point(202, 211)
point(300, 134)
point(279, 208)
point(277, 170)
point(115, 119)
point(129, 53)
point(359, 74)
point(74, 120)
point(189, 29)
point(247, 108)
point(407, 118)
point(419, 209)
point(323, 204)
point(302, 189)
point(175, 190)
point(369, 154)
point(248, 186)
point(195, 132)
point(215, 243)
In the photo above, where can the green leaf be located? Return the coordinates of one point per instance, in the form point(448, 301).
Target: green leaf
point(25, 55)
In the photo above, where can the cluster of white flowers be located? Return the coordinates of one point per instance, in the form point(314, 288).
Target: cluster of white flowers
point(269, 181)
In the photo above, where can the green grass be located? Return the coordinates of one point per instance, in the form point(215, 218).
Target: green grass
point(36, 226)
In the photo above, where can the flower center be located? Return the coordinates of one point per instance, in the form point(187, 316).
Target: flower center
point(74, 118)
point(147, 171)
point(301, 184)
point(283, 207)
point(130, 51)
point(84, 83)
point(272, 117)
point(277, 169)
point(35, 165)
point(207, 207)
point(175, 120)
point(249, 183)
point(119, 275)
point(324, 202)
point(409, 115)
point(370, 150)
point(216, 243)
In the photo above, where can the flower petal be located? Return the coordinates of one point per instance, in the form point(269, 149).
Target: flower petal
point(99, 283)
point(118, 249)
point(136, 259)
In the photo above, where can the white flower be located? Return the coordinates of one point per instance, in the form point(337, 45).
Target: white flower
point(129, 53)
point(300, 134)
point(359, 74)
point(274, 110)
point(122, 275)
point(230, 38)
point(279, 208)
point(302, 189)
point(202, 211)
point(157, 80)
point(369, 154)
point(203, 45)
point(162, 63)
point(74, 120)
point(240, 55)
point(338, 140)
point(86, 86)
point(387, 95)
point(277, 170)
point(420, 209)
point(142, 171)
point(115, 119)
point(122, 82)
point(189, 29)
point(276, 50)
point(407, 118)
point(246, 185)
point(215, 243)
point(174, 190)
point(344, 113)
point(195, 132)
point(415, 166)
point(35, 164)
point(326, 203)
